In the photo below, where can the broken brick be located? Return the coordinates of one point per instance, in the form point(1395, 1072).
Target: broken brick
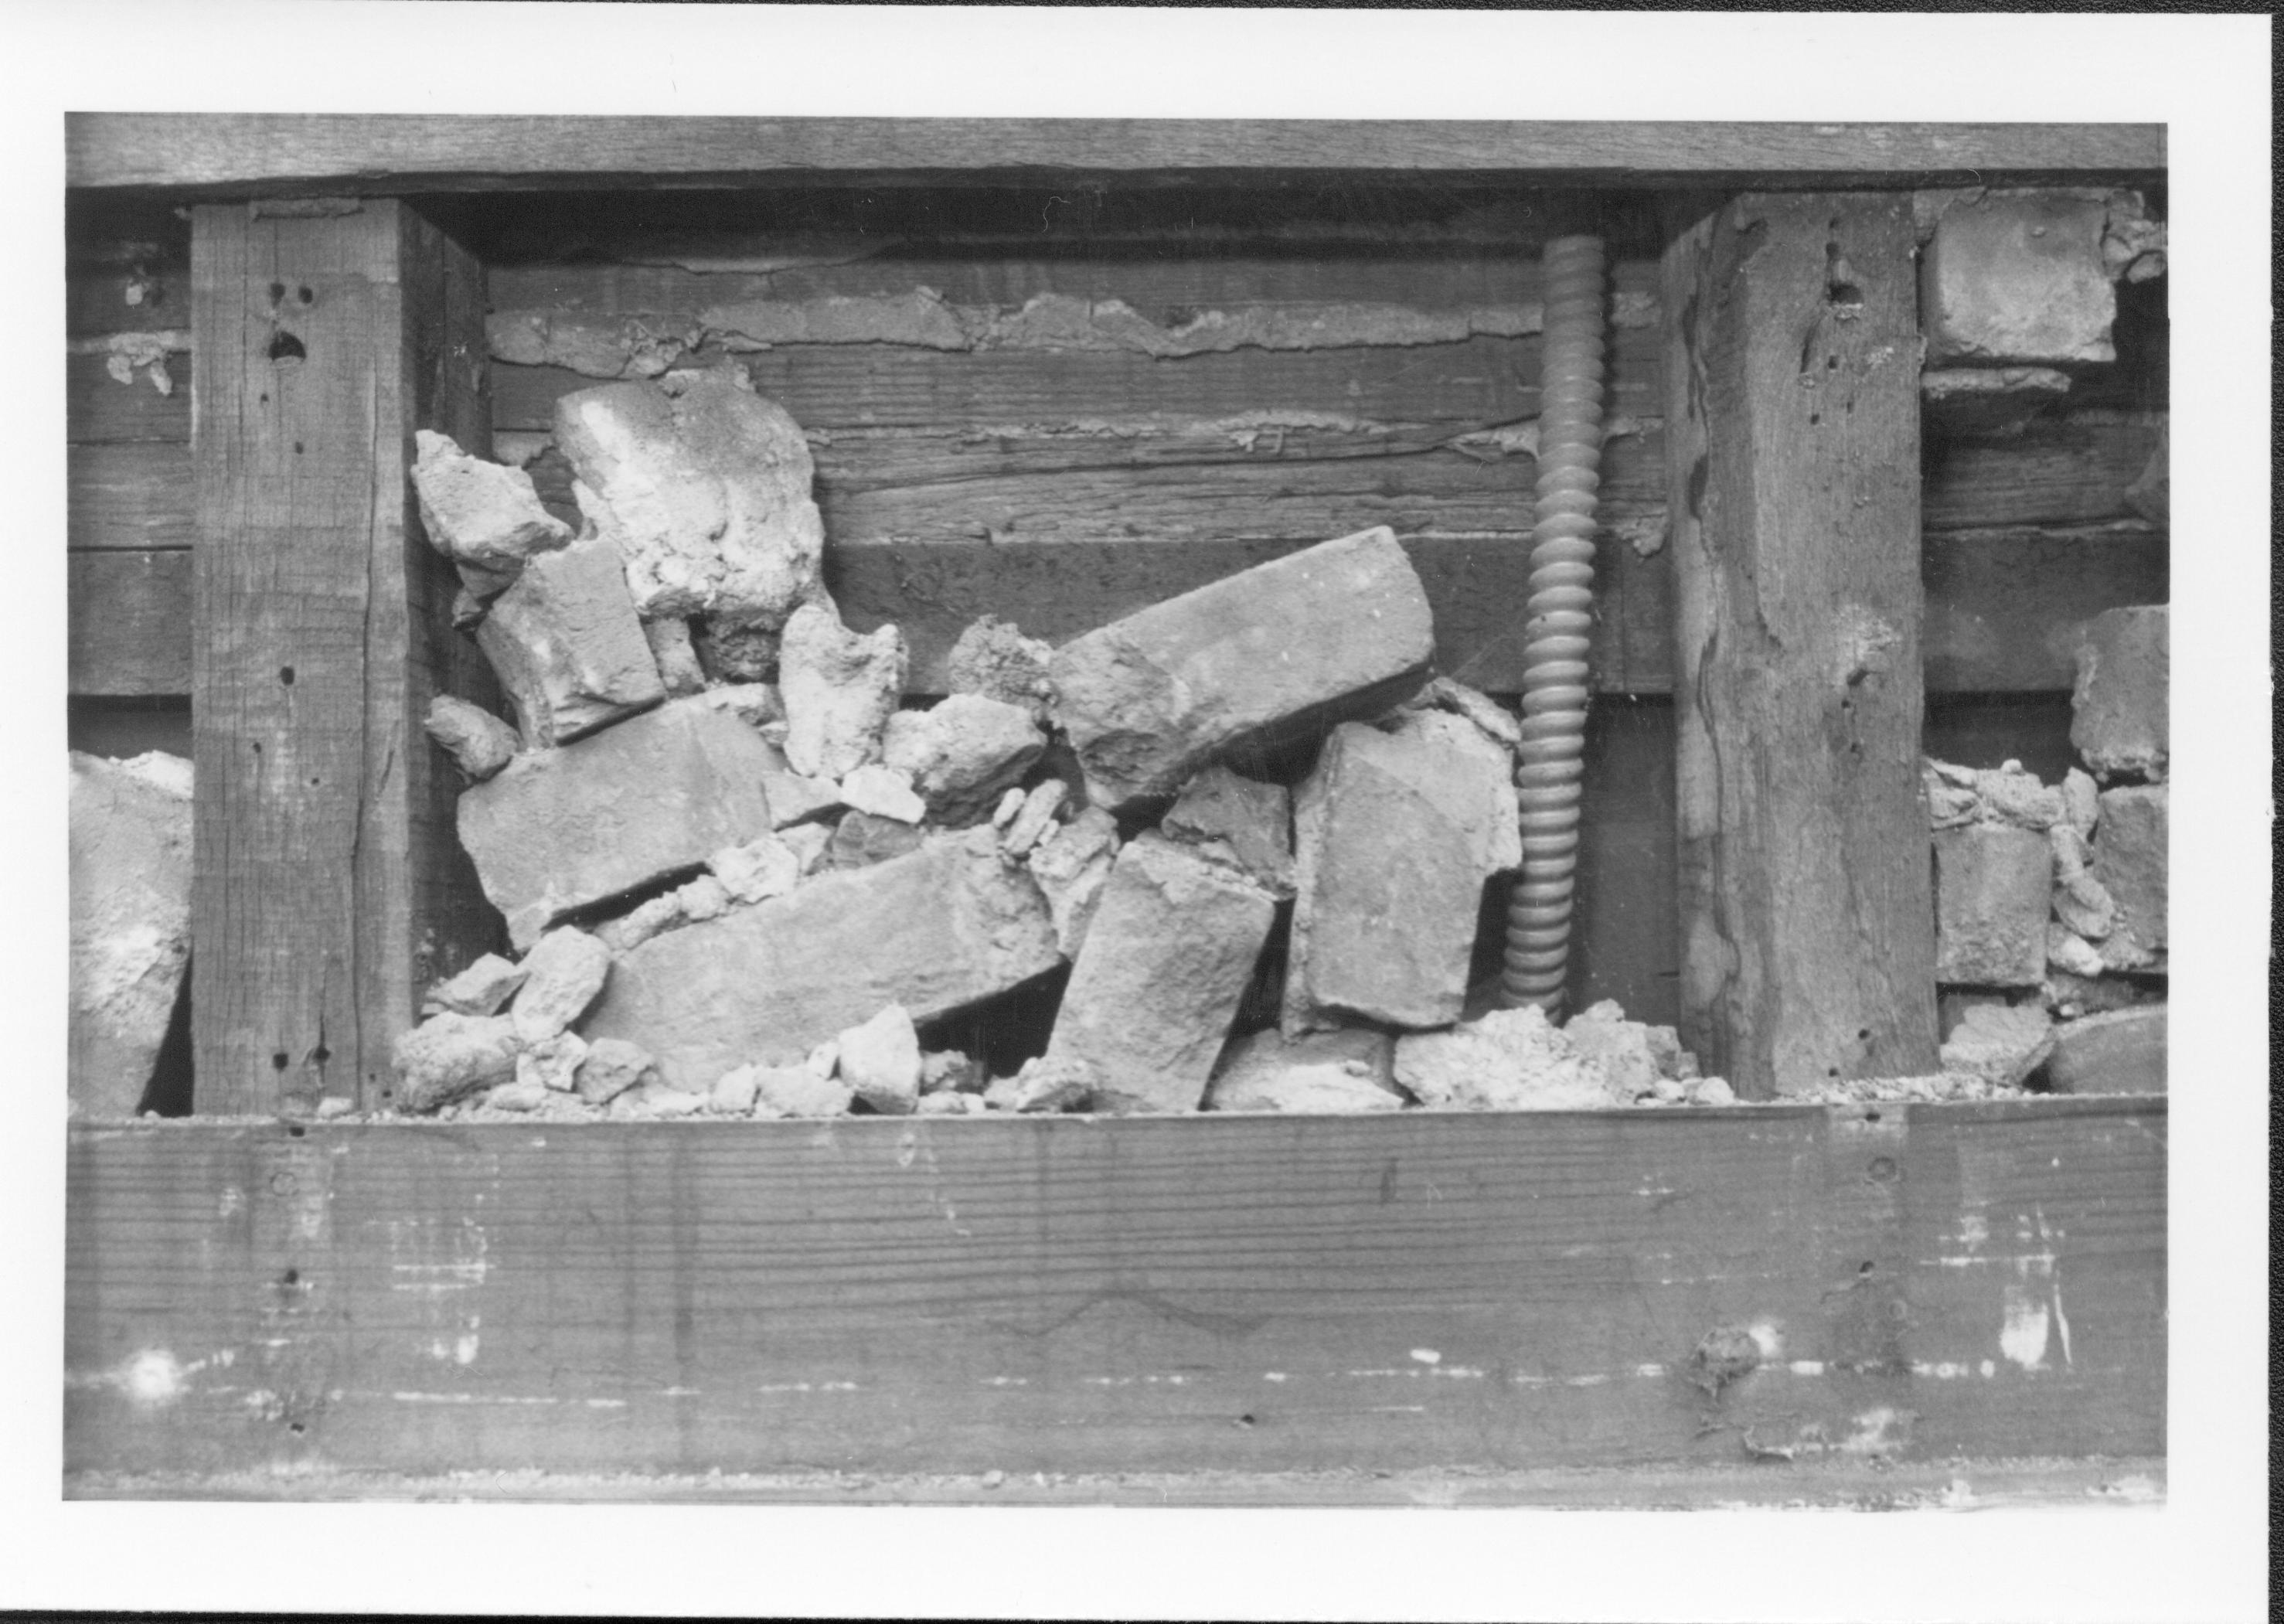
point(880, 1061)
point(447, 1056)
point(562, 974)
point(1154, 990)
point(564, 828)
point(1347, 1071)
point(1238, 820)
point(566, 647)
point(2118, 709)
point(962, 753)
point(2018, 278)
point(1072, 865)
point(703, 487)
point(2121, 1052)
point(2128, 861)
point(1993, 886)
point(479, 513)
point(479, 742)
point(935, 930)
point(2000, 1043)
point(131, 922)
point(1396, 835)
point(1258, 658)
point(839, 688)
point(995, 660)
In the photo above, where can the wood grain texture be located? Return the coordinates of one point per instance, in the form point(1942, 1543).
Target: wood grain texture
point(136, 497)
point(129, 623)
point(1503, 1293)
point(98, 409)
point(252, 153)
point(1806, 924)
point(328, 884)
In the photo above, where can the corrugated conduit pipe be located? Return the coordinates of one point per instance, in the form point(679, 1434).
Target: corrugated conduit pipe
point(1559, 624)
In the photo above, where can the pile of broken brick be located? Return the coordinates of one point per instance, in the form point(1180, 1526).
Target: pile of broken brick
point(746, 878)
point(2051, 898)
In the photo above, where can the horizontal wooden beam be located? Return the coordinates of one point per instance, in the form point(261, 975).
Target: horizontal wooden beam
point(271, 153)
point(1250, 1294)
point(129, 623)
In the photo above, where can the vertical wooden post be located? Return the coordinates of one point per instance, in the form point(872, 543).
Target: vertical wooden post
point(1792, 465)
point(328, 884)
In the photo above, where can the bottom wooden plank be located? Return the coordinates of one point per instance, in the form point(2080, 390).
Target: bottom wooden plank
point(1073, 1296)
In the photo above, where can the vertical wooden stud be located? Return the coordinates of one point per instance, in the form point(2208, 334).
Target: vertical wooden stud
point(1793, 464)
point(329, 887)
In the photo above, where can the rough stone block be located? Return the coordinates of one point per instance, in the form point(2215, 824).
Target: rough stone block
point(479, 742)
point(1504, 1061)
point(2128, 861)
point(995, 660)
point(480, 990)
point(1396, 834)
point(551, 1062)
point(564, 829)
point(1072, 866)
point(883, 792)
point(757, 870)
point(1346, 1071)
point(880, 1060)
point(447, 1056)
point(936, 930)
point(1278, 651)
point(480, 514)
point(131, 922)
point(704, 488)
point(1993, 884)
point(562, 974)
point(1167, 959)
point(2018, 278)
point(2118, 709)
point(862, 838)
point(840, 687)
point(2000, 1043)
point(963, 753)
point(566, 647)
point(798, 1092)
point(1237, 820)
point(610, 1067)
point(2121, 1052)
point(678, 669)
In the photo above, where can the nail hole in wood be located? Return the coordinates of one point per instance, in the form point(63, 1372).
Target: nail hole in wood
point(278, 1061)
point(285, 347)
point(305, 296)
point(277, 293)
point(286, 675)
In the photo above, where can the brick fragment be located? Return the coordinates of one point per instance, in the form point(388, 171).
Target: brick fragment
point(2130, 862)
point(479, 742)
point(2000, 1043)
point(935, 931)
point(704, 488)
point(880, 1061)
point(2121, 1052)
point(862, 838)
point(1153, 991)
point(1239, 821)
point(962, 753)
point(1272, 654)
point(610, 1067)
point(1396, 834)
point(479, 513)
point(1072, 866)
point(562, 974)
point(994, 659)
point(839, 689)
point(1346, 1071)
point(2118, 709)
point(1993, 886)
point(449, 1056)
point(482, 988)
point(2018, 278)
point(131, 922)
point(564, 828)
point(566, 647)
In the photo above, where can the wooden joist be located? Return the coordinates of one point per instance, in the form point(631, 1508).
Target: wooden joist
point(329, 884)
point(1506, 1291)
point(1793, 457)
point(279, 154)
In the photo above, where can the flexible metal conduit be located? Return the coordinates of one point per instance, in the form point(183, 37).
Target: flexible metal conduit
point(1558, 625)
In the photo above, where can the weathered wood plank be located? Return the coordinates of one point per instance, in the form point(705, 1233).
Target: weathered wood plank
point(1509, 1292)
point(2005, 607)
point(129, 623)
point(252, 153)
point(328, 884)
point(1807, 926)
point(98, 409)
point(2069, 469)
point(136, 497)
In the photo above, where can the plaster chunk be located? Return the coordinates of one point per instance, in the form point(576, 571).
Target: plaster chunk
point(880, 1061)
point(477, 512)
point(839, 689)
point(479, 742)
point(963, 753)
point(482, 988)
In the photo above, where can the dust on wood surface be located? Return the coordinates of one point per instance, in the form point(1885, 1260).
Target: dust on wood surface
point(1504, 1293)
point(1807, 926)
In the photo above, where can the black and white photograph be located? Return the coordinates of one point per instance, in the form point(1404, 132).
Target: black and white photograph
point(1414, 846)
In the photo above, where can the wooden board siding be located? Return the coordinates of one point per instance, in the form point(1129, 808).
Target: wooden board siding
point(251, 154)
point(1071, 1295)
